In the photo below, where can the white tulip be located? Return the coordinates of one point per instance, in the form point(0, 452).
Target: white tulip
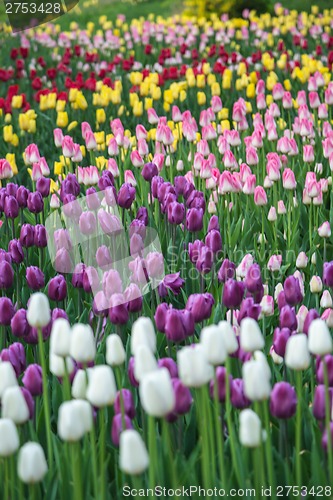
point(262, 358)
point(326, 300)
point(102, 389)
point(14, 405)
point(7, 376)
point(60, 337)
point(213, 344)
point(79, 385)
point(57, 365)
point(144, 362)
point(133, 455)
point(115, 352)
point(82, 345)
point(251, 338)
point(156, 393)
point(38, 313)
point(9, 440)
point(320, 340)
point(194, 369)
point(143, 332)
point(85, 411)
point(31, 466)
point(250, 432)
point(257, 385)
point(71, 422)
point(297, 354)
point(229, 337)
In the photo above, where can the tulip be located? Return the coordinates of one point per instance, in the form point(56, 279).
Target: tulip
point(320, 340)
point(14, 405)
point(256, 379)
point(126, 196)
point(250, 431)
point(119, 424)
point(145, 362)
point(60, 337)
point(7, 377)
point(283, 400)
point(297, 355)
point(292, 291)
point(57, 289)
point(328, 273)
point(156, 393)
point(38, 314)
point(143, 333)
point(6, 275)
point(7, 311)
point(31, 466)
point(15, 354)
point(74, 420)
point(319, 403)
point(194, 219)
point(194, 369)
point(124, 399)
point(226, 271)
point(229, 337)
point(115, 352)
point(213, 344)
point(133, 455)
point(200, 305)
point(9, 439)
point(233, 292)
point(82, 343)
point(32, 379)
point(35, 278)
point(326, 300)
point(101, 390)
point(251, 338)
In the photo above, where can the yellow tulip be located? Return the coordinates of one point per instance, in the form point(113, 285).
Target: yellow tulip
point(201, 98)
point(62, 119)
point(148, 103)
point(23, 121)
point(17, 101)
point(182, 95)
point(32, 126)
point(10, 157)
point(81, 101)
point(226, 83)
point(225, 125)
point(72, 94)
point(216, 89)
point(51, 100)
point(166, 106)
point(156, 94)
point(72, 125)
point(8, 118)
point(8, 133)
point(60, 106)
point(201, 81)
point(100, 115)
point(138, 108)
point(15, 140)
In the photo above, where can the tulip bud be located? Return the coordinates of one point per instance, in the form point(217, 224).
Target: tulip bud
point(143, 332)
point(256, 380)
point(101, 390)
point(9, 439)
point(79, 385)
point(320, 340)
point(133, 456)
point(74, 420)
point(145, 362)
point(251, 338)
point(194, 369)
point(57, 365)
point(82, 343)
point(229, 337)
point(60, 337)
point(7, 377)
point(156, 393)
point(31, 466)
point(297, 355)
point(213, 344)
point(283, 400)
point(14, 405)
point(250, 432)
point(302, 260)
point(119, 424)
point(32, 379)
point(316, 284)
point(38, 313)
point(115, 352)
point(326, 300)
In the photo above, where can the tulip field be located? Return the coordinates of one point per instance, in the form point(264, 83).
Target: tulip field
point(166, 257)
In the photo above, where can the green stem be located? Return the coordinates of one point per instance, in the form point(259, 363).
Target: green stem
point(169, 452)
point(269, 449)
point(298, 431)
point(152, 451)
point(102, 438)
point(232, 439)
point(47, 413)
point(219, 433)
point(76, 473)
point(94, 460)
point(328, 422)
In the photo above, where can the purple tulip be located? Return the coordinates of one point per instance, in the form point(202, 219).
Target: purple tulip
point(174, 327)
point(280, 339)
point(249, 309)
point(111, 197)
point(288, 318)
point(77, 278)
point(196, 199)
point(57, 289)
point(127, 402)
point(281, 300)
point(22, 196)
point(32, 379)
point(11, 188)
point(63, 261)
point(137, 227)
point(119, 423)
point(328, 273)
point(69, 185)
point(183, 397)
point(40, 236)
point(253, 281)
point(160, 316)
point(11, 207)
point(164, 189)
point(180, 184)
point(213, 224)
point(221, 383)
point(5, 256)
point(188, 189)
point(176, 212)
point(87, 223)
point(19, 324)
point(35, 278)
point(15, 354)
point(43, 186)
point(7, 311)
point(149, 170)
point(130, 371)
point(57, 312)
point(156, 182)
point(6, 275)
point(92, 199)
point(27, 235)
point(106, 180)
point(194, 250)
point(133, 298)
point(227, 271)
point(320, 369)
point(126, 195)
point(312, 314)
point(213, 240)
point(30, 402)
point(136, 245)
point(283, 400)
point(194, 220)
point(319, 407)
point(118, 312)
point(72, 208)
point(188, 321)
point(171, 282)
point(233, 292)
point(103, 257)
point(142, 215)
point(292, 291)
point(91, 280)
point(237, 396)
point(16, 251)
point(205, 260)
point(170, 365)
point(35, 202)
point(200, 305)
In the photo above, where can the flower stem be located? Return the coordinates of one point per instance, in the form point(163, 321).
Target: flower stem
point(298, 432)
point(46, 401)
point(102, 438)
point(75, 456)
point(152, 451)
point(269, 449)
point(328, 422)
point(235, 462)
point(219, 433)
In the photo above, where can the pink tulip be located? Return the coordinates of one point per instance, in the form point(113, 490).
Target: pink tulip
point(260, 197)
point(288, 179)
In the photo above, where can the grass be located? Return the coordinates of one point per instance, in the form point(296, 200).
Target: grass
point(134, 9)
